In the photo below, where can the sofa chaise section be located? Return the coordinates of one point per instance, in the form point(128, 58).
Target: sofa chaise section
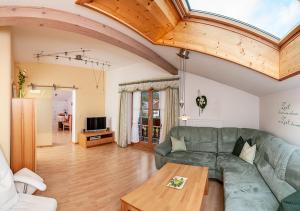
point(274, 175)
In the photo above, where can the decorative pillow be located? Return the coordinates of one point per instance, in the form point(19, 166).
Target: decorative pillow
point(290, 203)
point(248, 153)
point(178, 145)
point(239, 144)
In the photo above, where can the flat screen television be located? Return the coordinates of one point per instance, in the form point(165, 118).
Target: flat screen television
point(95, 123)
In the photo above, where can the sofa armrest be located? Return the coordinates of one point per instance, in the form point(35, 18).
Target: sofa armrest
point(163, 148)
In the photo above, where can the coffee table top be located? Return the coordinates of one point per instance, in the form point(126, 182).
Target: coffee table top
point(155, 195)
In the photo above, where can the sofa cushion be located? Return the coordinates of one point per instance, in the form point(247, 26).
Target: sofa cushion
point(227, 138)
point(238, 146)
point(248, 153)
point(248, 133)
point(261, 137)
point(247, 198)
point(193, 158)
point(163, 148)
point(197, 139)
point(231, 163)
point(178, 144)
point(290, 203)
point(244, 188)
point(272, 161)
point(293, 170)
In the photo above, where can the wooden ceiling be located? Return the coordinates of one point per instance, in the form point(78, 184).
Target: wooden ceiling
point(168, 22)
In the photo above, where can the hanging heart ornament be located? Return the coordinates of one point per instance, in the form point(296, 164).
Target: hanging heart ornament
point(201, 102)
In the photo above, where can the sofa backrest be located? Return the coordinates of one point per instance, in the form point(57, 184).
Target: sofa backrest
point(227, 137)
point(279, 164)
point(292, 174)
point(197, 139)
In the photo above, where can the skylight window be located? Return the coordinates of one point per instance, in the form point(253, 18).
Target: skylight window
point(275, 17)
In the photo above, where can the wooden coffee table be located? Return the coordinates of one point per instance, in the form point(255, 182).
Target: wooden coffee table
point(154, 195)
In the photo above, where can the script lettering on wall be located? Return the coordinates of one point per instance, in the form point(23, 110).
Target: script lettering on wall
point(288, 116)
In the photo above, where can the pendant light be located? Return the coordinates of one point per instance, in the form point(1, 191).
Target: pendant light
point(183, 56)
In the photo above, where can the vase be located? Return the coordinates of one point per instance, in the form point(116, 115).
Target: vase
point(21, 92)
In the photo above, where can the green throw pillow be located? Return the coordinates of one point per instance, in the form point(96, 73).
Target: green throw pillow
point(290, 203)
point(178, 145)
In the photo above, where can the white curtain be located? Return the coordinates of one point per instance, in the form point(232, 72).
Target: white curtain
point(162, 104)
point(158, 84)
point(136, 109)
point(124, 128)
point(170, 112)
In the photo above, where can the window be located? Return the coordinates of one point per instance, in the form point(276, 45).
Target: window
point(149, 120)
point(273, 17)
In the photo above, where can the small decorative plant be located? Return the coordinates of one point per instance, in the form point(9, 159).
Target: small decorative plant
point(176, 182)
point(21, 82)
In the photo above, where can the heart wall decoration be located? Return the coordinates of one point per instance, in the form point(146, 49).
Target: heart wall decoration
point(201, 102)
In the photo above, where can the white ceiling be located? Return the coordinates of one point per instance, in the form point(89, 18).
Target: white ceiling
point(28, 41)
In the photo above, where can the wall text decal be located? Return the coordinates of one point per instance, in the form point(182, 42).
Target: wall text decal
point(287, 115)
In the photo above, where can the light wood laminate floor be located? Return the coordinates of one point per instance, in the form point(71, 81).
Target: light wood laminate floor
point(96, 178)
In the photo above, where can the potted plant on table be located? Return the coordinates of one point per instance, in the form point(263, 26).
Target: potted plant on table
point(21, 82)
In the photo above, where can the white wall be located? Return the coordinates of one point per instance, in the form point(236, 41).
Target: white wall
point(5, 90)
point(90, 101)
point(280, 115)
point(227, 106)
point(43, 115)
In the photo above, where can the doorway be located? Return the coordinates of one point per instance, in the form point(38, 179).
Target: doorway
point(54, 115)
point(62, 116)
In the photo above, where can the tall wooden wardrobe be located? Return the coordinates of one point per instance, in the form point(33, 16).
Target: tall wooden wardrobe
point(23, 134)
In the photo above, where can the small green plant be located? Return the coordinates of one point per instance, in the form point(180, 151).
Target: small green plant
point(176, 182)
point(21, 82)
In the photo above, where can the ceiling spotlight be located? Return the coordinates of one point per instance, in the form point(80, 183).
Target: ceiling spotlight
point(78, 57)
point(183, 53)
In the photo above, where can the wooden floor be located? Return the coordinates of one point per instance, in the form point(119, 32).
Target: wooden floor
point(61, 137)
point(96, 178)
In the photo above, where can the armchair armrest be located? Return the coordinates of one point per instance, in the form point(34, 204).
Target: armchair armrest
point(29, 173)
point(38, 184)
point(163, 148)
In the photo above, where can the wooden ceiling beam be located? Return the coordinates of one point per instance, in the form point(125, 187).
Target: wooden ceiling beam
point(290, 55)
point(169, 22)
point(151, 19)
point(226, 44)
point(38, 16)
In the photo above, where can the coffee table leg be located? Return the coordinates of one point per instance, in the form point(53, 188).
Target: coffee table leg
point(123, 206)
point(206, 187)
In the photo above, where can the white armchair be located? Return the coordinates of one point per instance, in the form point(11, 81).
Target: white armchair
point(11, 200)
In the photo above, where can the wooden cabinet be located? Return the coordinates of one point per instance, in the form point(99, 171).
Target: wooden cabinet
point(23, 134)
point(91, 139)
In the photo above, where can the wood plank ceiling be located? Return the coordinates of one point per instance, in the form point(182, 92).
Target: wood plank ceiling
point(168, 22)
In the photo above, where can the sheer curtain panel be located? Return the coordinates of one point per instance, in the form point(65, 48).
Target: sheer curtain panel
point(125, 116)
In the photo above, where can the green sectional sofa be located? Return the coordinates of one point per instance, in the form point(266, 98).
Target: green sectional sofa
point(274, 175)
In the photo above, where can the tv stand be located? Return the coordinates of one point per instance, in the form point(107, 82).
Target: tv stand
point(92, 139)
